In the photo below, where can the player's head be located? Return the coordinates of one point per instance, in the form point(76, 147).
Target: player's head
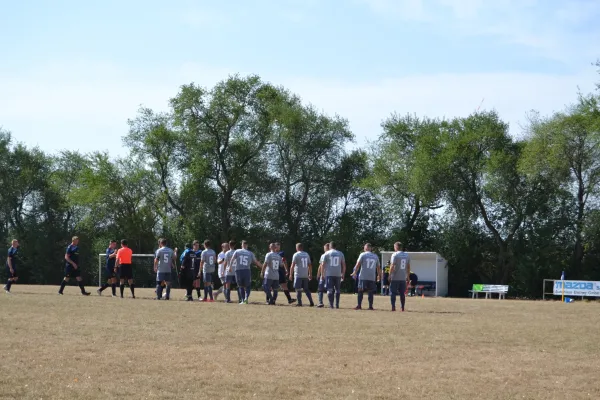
point(231, 244)
point(75, 240)
point(112, 244)
point(326, 247)
point(277, 246)
point(207, 244)
point(397, 246)
point(162, 242)
point(15, 243)
point(299, 247)
point(368, 247)
point(195, 245)
point(225, 246)
point(124, 242)
point(244, 245)
point(333, 245)
point(272, 247)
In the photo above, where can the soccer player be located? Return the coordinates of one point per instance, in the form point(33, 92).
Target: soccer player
point(414, 280)
point(321, 276)
point(222, 271)
point(110, 270)
point(335, 269)
point(197, 275)
point(229, 266)
point(71, 268)
point(386, 279)
point(164, 261)
point(123, 263)
point(369, 267)
point(207, 268)
point(270, 273)
point(186, 272)
point(283, 275)
point(399, 273)
point(11, 265)
point(301, 270)
point(243, 259)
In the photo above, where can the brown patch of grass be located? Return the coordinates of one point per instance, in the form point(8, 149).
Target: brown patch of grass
point(67, 347)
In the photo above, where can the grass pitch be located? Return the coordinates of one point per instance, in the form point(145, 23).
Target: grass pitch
point(73, 347)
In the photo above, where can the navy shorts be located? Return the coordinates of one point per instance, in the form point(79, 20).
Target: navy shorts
point(208, 277)
point(125, 271)
point(13, 274)
point(334, 283)
point(71, 272)
point(110, 272)
point(367, 286)
point(282, 276)
point(231, 279)
point(163, 276)
point(243, 277)
point(322, 285)
point(301, 283)
point(386, 279)
point(398, 287)
point(271, 284)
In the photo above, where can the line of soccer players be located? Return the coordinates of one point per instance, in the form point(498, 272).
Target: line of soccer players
point(234, 268)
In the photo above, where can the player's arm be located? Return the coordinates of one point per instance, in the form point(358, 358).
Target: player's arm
point(202, 256)
point(264, 266)
point(155, 264)
point(378, 271)
point(321, 271)
point(112, 255)
point(408, 270)
point(309, 271)
point(256, 262)
point(356, 267)
point(292, 268)
point(343, 268)
point(68, 258)
point(9, 263)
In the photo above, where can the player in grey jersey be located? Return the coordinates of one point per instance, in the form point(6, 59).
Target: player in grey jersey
point(207, 268)
point(370, 269)
point(230, 273)
point(164, 261)
point(321, 276)
point(243, 260)
point(301, 271)
point(335, 269)
point(399, 274)
point(222, 272)
point(270, 271)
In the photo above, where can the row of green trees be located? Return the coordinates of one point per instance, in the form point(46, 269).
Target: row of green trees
point(248, 160)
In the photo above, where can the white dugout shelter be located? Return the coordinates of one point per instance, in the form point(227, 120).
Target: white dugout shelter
point(431, 269)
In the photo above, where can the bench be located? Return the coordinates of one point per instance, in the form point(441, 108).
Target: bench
point(500, 290)
point(423, 286)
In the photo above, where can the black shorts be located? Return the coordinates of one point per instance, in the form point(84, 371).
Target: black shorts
point(125, 271)
point(71, 272)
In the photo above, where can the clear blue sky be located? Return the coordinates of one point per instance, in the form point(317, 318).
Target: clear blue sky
point(71, 73)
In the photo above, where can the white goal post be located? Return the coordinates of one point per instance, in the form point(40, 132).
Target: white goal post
point(102, 263)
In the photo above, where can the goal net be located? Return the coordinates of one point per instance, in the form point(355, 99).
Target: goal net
point(143, 270)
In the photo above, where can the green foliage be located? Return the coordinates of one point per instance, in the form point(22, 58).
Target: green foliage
point(249, 160)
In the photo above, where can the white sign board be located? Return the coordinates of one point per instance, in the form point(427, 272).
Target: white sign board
point(577, 288)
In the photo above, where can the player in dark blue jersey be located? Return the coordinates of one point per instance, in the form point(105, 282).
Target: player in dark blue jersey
point(283, 277)
point(11, 265)
point(197, 276)
point(110, 269)
point(72, 269)
point(186, 272)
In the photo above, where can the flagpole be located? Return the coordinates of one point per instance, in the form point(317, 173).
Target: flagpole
point(562, 278)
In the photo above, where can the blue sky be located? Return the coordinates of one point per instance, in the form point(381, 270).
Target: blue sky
point(71, 73)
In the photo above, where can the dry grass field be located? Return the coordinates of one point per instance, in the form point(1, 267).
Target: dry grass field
point(72, 347)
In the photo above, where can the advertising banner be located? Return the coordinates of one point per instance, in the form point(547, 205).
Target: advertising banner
point(577, 288)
